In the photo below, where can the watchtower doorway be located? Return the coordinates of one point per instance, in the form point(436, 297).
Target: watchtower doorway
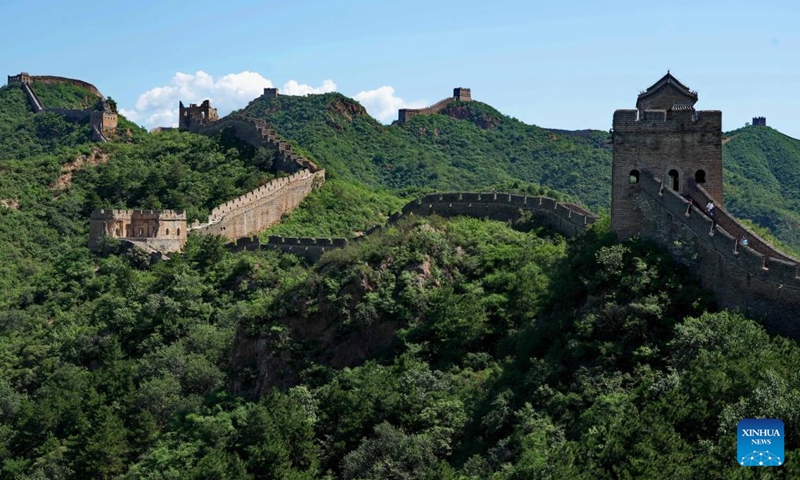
point(674, 180)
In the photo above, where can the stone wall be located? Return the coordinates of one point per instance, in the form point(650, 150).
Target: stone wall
point(459, 93)
point(33, 100)
point(259, 133)
point(261, 208)
point(161, 230)
point(564, 218)
point(100, 121)
point(757, 279)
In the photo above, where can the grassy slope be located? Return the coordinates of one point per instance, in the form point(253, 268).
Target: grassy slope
point(64, 95)
point(762, 180)
point(441, 152)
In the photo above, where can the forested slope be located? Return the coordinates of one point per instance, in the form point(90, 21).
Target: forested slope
point(446, 349)
point(470, 146)
point(762, 180)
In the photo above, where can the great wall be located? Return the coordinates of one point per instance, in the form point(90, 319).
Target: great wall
point(253, 212)
point(101, 121)
point(459, 94)
point(667, 162)
point(564, 218)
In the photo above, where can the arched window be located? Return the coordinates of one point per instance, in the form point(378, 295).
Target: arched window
point(634, 176)
point(117, 232)
point(179, 232)
point(700, 176)
point(167, 232)
point(141, 232)
point(674, 179)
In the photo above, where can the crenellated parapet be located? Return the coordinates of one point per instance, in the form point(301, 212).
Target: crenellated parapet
point(756, 278)
point(666, 136)
point(203, 120)
point(564, 218)
point(261, 208)
point(162, 230)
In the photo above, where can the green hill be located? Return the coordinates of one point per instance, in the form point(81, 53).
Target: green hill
point(470, 146)
point(453, 349)
point(64, 95)
point(762, 180)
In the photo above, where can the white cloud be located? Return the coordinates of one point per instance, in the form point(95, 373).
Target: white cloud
point(159, 106)
point(293, 88)
point(382, 103)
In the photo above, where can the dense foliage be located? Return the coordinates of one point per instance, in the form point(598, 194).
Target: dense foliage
point(433, 349)
point(471, 146)
point(64, 95)
point(441, 152)
point(762, 180)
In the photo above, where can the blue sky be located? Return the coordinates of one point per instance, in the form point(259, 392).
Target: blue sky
point(555, 64)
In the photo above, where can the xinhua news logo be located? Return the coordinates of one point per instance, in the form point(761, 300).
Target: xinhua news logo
point(760, 442)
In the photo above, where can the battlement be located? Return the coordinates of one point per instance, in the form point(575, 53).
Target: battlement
point(666, 136)
point(756, 278)
point(759, 121)
point(260, 208)
point(675, 119)
point(161, 230)
point(22, 78)
point(258, 133)
point(566, 219)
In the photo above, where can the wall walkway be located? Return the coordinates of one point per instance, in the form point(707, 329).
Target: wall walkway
point(757, 279)
point(564, 218)
point(259, 133)
point(70, 114)
point(261, 208)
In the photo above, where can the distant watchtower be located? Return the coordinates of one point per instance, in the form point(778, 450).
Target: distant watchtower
point(666, 137)
point(759, 121)
point(22, 78)
point(195, 116)
point(270, 93)
point(462, 94)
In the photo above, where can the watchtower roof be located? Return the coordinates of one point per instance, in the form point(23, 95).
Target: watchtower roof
point(667, 92)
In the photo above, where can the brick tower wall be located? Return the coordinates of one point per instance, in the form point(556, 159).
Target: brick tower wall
point(659, 141)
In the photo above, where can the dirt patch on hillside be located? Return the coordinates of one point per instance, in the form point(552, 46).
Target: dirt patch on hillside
point(728, 139)
point(11, 203)
point(65, 179)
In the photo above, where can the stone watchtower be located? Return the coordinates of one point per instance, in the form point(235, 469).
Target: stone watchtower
point(462, 94)
point(196, 116)
point(667, 138)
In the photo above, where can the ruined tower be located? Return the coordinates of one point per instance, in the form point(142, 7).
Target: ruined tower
point(667, 138)
point(195, 116)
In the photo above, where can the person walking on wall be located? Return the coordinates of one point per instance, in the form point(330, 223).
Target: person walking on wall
point(711, 213)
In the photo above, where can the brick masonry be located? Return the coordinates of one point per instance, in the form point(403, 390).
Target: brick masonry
point(658, 194)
